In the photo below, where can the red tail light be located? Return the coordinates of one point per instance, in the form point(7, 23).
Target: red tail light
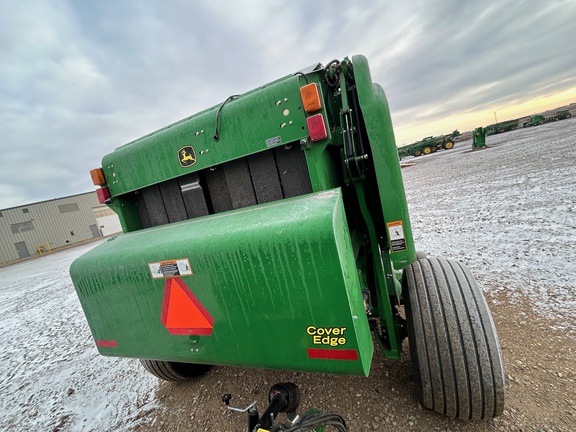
point(317, 127)
point(103, 195)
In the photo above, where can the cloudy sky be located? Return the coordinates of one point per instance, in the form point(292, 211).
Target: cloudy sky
point(79, 78)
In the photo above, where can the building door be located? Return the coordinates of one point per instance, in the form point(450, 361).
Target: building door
point(22, 250)
point(95, 231)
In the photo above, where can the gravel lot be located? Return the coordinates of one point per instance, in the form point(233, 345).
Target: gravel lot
point(508, 212)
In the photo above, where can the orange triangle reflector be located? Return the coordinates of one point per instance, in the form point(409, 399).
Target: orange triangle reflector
point(182, 312)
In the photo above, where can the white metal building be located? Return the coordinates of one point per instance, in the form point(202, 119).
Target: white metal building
point(41, 227)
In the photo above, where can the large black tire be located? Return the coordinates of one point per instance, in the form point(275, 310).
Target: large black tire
point(427, 150)
point(449, 145)
point(417, 153)
point(174, 371)
point(456, 356)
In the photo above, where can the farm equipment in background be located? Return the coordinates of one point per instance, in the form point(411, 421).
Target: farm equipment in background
point(272, 231)
point(539, 119)
point(535, 120)
point(478, 138)
point(502, 127)
point(562, 115)
point(429, 145)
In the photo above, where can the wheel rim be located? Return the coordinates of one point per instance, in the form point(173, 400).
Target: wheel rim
point(427, 150)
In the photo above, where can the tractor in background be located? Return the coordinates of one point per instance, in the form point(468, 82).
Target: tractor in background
point(502, 127)
point(535, 120)
point(562, 115)
point(428, 145)
point(539, 119)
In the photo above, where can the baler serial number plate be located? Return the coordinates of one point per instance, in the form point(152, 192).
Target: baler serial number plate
point(170, 268)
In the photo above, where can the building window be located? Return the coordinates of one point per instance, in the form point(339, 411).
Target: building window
point(21, 227)
point(67, 208)
point(102, 211)
point(25, 210)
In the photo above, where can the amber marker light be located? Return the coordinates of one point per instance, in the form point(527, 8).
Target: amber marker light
point(97, 176)
point(311, 98)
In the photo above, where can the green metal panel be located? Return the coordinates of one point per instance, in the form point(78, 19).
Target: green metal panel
point(381, 134)
point(479, 138)
point(272, 278)
point(269, 116)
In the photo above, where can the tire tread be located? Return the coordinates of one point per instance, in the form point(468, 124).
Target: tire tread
point(173, 371)
point(453, 342)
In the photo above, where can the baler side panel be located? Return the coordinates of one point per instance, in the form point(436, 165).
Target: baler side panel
point(376, 114)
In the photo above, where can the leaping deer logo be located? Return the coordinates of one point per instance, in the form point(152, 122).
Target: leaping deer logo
point(187, 156)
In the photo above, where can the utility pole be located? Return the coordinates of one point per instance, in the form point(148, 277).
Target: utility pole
point(495, 118)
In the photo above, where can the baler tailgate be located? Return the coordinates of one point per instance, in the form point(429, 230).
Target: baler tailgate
point(272, 286)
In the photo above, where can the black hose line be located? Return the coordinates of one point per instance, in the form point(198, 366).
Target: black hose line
point(216, 136)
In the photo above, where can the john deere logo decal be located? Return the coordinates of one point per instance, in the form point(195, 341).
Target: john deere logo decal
point(187, 156)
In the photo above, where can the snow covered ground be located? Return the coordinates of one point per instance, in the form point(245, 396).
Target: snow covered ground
point(508, 211)
point(51, 376)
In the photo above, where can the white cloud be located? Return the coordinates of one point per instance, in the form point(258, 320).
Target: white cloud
point(81, 78)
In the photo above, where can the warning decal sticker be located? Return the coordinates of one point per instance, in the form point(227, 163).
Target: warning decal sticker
point(170, 268)
point(396, 236)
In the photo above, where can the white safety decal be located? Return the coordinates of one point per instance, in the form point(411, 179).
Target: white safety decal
point(170, 268)
point(396, 236)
